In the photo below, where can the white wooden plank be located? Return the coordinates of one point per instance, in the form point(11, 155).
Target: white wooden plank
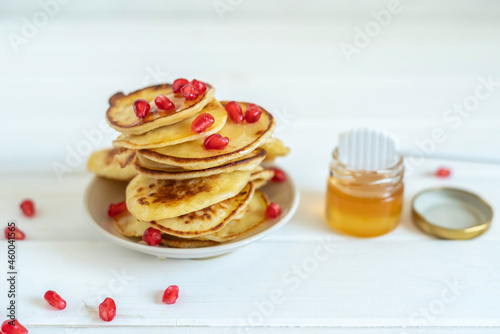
point(361, 283)
point(262, 330)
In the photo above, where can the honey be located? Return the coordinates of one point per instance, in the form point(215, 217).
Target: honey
point(364, 203)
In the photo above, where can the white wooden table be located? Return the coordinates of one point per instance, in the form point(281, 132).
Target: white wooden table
point(288, 59)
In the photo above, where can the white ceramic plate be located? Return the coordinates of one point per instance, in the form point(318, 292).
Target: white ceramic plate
point(101, 192)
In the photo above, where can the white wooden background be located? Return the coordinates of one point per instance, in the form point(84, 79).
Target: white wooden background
point(286, 56)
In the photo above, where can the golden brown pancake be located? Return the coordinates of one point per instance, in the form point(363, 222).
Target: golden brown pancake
point(151, 199)
point(275, 148)
point(155, 170)
point(209, 219)
point(129, 226)
point(121, 116)
point(103, 164)
point(177, 133)
point(254, 215)
point(174, 242)
point(243, 138)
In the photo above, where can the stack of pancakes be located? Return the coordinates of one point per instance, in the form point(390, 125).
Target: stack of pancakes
point(195, 196)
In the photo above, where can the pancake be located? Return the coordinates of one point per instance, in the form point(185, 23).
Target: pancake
point(129, 226)
point(124, 157)
point(243, 139)
point(177, 133)
point(275, 148)
point(174, 242)
point(121, 116)
point(261, 176)
point(209, 219)
point(254, 215)
point(151, 199)
point(157, 171)
point(103, 164)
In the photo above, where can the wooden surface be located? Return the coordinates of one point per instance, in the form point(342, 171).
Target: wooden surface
point(288, 59)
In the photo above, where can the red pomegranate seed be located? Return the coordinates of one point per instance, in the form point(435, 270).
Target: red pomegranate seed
point(13, 327)
point(117, 208)
point(28, 207)
point(14, 233)
point(107, 309)
point(273, 210)
point(55, 300)
point(234, 112)
point(164, 103)
point(216, 142)
point(189, 92)
point(141, 108)
point(152, 236)
point(253, 113)
point(202, 122)
point(279, 175)
point(171, 294)
point(443, 172)
point(199, 85)
point(178, 84)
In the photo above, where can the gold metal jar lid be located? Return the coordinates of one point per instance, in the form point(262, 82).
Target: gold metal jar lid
point(451, 213)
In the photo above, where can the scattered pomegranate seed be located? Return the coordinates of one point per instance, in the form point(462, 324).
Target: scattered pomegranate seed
point(178, 84)
point(164, 103)
point(216, 142)
point(171, 294)
point(443, 172)
point(152, 236)
point(117, 208)
point(28, 207)
point(199, 85)
point(55, 300)
point(253, 113)
point(141, 108)
point(107, 309)
point(202, 122)
point(279, 175)
point(13, 327)
point(273, 210)
point(14, 233)
point(233, 109)
point(190, 92)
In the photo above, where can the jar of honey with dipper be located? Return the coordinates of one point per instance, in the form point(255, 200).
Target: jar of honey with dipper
point(365, 186)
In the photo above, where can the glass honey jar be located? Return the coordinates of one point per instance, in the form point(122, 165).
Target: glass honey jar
point(364, 203)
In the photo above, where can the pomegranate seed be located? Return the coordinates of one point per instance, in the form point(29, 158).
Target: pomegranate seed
point(171, 294)
point(279, 175)
point(234, 111)
point(443, 172)
point(28, 207)
point(164, 103)
point(189, 92)
point(178, 84)
point(273, 210)
point(253, 113)
point(55, 300)
point(141, 108)
point(117, 208)
point(14, 233)
point(199, 85)
point(107, 309)
point(13, 327)
point(202, 122)
point(152, 236)
point(216, 142)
